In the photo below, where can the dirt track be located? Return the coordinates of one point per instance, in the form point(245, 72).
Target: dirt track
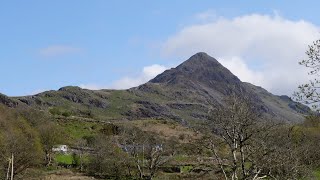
point(67, 177)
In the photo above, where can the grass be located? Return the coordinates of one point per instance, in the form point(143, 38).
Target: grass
point(66, 159)
point(185, 169)
point(79, 129)
point(316, 173)
point(167, 129)
point(181, 158)
point(70, 159)
point(120, 101)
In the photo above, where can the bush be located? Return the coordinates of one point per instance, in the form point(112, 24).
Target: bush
point(108, 161)
point(110, 129)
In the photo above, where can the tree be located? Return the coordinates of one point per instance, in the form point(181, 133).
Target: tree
point(309, 93)
point(108, 160)
point(306, 137)
point(20, 139)
point(147, 151)
point(50, 135)
point(236, 124)
point(81, 144)
point(246, 146)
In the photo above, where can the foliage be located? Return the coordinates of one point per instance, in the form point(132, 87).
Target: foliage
point(309, 93)
point(60, 111)
point(20, 139)
point(249, 147)
point(108, 160)
point(110, 129)
point(147, 151)
point(50, 135)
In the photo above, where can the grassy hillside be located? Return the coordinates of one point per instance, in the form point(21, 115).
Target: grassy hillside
point(183, 94)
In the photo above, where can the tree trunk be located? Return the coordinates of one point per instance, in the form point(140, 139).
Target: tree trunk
point(219, 161)
point(12, 166)
point(244, 174)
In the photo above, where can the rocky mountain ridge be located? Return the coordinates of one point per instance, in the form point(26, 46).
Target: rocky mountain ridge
point(183, 94)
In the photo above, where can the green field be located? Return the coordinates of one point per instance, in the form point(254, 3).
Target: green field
point(65, 159)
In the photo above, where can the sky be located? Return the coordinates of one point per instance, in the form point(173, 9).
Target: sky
point(118, 44)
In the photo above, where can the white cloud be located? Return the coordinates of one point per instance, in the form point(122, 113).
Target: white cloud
point(57, 50)
point(153, 70)
point(261, 49)
point(205, 16)
point(93, 86)
point(38, 91)
point(147, 73)
point(126, 82)
point(238, 67)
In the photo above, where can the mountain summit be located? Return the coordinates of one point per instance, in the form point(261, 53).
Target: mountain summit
point(184, 94)
point(200, 67)
point(201, 81)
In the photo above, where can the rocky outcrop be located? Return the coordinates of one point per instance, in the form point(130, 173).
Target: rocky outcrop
point(8, 101)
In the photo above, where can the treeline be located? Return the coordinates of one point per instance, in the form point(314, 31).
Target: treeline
point(133, 154)
point(236, 143)
point(247, 145)
point(20, 139)
point(27, 135)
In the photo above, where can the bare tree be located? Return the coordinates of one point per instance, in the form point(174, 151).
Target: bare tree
point(81, 144)
point(309, 93)
point(147, 151)
point(240, 129)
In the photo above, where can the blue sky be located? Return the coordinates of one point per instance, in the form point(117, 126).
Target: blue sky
point(118, 44)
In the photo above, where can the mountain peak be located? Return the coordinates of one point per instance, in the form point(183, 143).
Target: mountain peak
point(201, 55)
point(200, 60)
point(200, 67)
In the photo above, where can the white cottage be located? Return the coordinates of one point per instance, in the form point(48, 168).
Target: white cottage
point(60, 148)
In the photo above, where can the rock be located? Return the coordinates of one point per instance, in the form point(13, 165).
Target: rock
point(8, 101)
